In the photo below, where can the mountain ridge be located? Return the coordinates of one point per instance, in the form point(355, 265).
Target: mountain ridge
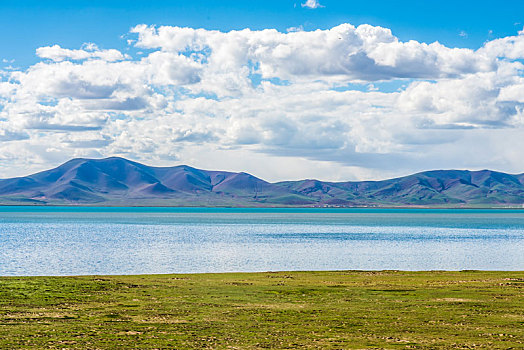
point(121, 182)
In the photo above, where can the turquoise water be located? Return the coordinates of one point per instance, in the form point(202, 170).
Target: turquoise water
point(93, 240)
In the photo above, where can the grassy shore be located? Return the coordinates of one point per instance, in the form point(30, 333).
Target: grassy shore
point(329, 310)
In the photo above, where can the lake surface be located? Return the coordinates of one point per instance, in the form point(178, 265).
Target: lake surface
point(77, 241)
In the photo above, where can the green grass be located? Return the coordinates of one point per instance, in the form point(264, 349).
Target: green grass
point(329, 310)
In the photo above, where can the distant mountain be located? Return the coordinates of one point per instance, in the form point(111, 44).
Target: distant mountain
point(118, 181)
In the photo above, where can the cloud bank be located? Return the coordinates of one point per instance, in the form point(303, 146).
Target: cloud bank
point(347, 102)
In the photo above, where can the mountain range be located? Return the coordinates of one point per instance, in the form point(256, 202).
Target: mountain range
point(117, 181)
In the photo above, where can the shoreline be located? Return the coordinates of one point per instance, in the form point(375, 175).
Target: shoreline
point(334, 208)
point(170, 274)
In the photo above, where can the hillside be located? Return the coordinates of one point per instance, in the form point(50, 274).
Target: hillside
point(118, 181)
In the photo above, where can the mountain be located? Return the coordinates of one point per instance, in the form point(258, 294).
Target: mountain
point(118, 181)
point(436, 188)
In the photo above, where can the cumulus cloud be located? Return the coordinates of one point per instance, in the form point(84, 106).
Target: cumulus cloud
point(251, 98)
point(511, 47)
point(90, 51)
point(343, 53)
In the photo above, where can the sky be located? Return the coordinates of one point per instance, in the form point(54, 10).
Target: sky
point(285, 90)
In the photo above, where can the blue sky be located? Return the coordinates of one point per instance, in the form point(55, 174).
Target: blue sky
point(32, 24)
point(336, 90)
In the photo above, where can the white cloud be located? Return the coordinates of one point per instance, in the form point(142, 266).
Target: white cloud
point(245, 100)
point(90, 51)
point(511, 47)
point(345, 52)
point(312, 4)
point(300, 28)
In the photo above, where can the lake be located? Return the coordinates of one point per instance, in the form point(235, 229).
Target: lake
point(90, 240)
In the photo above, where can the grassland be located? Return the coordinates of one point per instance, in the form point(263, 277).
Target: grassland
point(329, 310)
